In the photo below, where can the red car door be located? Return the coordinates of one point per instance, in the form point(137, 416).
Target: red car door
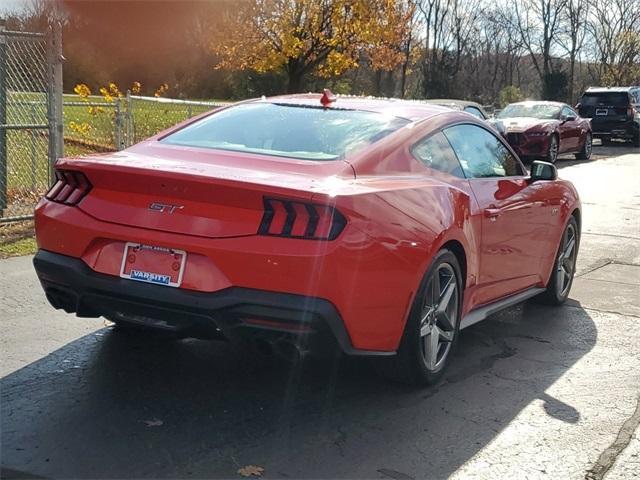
point(513, 218)
point(570, 130)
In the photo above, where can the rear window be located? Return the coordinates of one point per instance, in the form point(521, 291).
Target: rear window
point(285, 130)
point(618, 99)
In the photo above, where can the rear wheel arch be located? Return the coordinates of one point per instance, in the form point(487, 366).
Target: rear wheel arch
point(578, 216)
point(458, 250)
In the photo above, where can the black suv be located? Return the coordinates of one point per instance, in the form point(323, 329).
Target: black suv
point(614, 112)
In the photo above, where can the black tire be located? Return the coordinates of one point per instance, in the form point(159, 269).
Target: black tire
point(556, 292)
point(553, 149)
point(636, 140)
point(587, 147)
point(410, 365)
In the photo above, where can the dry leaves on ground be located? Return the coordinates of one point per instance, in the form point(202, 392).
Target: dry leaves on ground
point(251, 471)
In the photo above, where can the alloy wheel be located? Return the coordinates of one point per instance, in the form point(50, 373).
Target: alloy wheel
point(553, 149)
point(566, 261)
point(438, 317)
point(588, 146)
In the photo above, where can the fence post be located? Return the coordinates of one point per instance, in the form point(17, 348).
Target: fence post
point(54, 93)
point(3, 119)
point(34, 166)
point(118, 125)
point(128, 118)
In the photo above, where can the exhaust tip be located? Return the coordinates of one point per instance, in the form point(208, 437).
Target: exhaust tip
point(288, 350)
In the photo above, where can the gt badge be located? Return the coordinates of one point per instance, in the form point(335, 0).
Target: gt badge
point(164, 207)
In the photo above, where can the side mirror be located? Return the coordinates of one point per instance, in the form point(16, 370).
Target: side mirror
point(542, 171)
point(567, 118)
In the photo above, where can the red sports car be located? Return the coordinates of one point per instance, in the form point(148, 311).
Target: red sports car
point(546, 130)
point(385, 226)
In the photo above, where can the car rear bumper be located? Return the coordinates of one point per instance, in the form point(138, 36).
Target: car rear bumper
point(72, 286)
point(615, 129)
point(369, 282)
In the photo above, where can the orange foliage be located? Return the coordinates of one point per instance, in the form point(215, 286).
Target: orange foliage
point(303, 36)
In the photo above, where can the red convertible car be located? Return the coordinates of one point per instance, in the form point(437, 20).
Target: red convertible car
point(546, 130)
point(382, 226)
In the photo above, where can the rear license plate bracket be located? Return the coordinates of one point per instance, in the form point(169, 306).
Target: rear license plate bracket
point(152, 264)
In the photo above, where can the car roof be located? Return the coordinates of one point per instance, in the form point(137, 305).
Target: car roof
point(609, 89)
point(453, 102)
point(412, 110)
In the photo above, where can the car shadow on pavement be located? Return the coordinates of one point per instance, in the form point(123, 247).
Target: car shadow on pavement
point(113, 406)
point(600, 152)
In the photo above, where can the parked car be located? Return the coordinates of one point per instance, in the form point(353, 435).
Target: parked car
point(473, 108)
point(545, 130)
point(614, 112)
point(381, 226)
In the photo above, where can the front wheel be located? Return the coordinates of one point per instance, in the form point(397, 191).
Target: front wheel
point(432, 328)
point(585, 153)
point(564, 267)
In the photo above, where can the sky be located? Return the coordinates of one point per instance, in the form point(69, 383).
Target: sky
point(7, 6)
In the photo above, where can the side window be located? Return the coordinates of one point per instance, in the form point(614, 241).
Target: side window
point(435, 152)
point(481, 153)
point(474, 111)
point(568, 112)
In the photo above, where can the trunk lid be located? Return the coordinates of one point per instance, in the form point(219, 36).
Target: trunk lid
point(192, 191)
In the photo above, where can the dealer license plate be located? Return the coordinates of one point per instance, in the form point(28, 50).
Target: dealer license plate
point(149, 264)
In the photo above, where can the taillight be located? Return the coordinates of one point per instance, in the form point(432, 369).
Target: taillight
point(631, 111)
point(70, 187)
point(293, 219)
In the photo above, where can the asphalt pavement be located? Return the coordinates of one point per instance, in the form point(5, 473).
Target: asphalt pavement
point(533, 392)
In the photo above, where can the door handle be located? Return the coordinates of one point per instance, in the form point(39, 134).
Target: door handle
point(492, 213)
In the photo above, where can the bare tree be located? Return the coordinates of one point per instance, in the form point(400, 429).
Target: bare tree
point(615, 26)
point(539, 23)
point(573, 34)
point(448, 26)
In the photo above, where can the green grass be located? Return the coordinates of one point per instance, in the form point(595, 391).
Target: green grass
point(17, 239)
point(24, 246)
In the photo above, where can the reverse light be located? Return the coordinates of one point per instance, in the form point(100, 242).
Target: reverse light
point(70, 187)
point(293, 219)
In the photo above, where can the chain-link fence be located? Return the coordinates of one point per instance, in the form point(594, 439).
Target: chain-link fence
point(94, 123)
point(147, 116)
point(30, 113)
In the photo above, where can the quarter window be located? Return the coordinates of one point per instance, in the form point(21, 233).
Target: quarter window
point(435, 152)
point(481, 153)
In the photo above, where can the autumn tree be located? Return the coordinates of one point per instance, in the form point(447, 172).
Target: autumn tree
point(297, 37)
point(389, 41)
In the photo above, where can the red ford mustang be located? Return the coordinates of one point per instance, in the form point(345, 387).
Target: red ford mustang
point(385, 226)
point(546, 130)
